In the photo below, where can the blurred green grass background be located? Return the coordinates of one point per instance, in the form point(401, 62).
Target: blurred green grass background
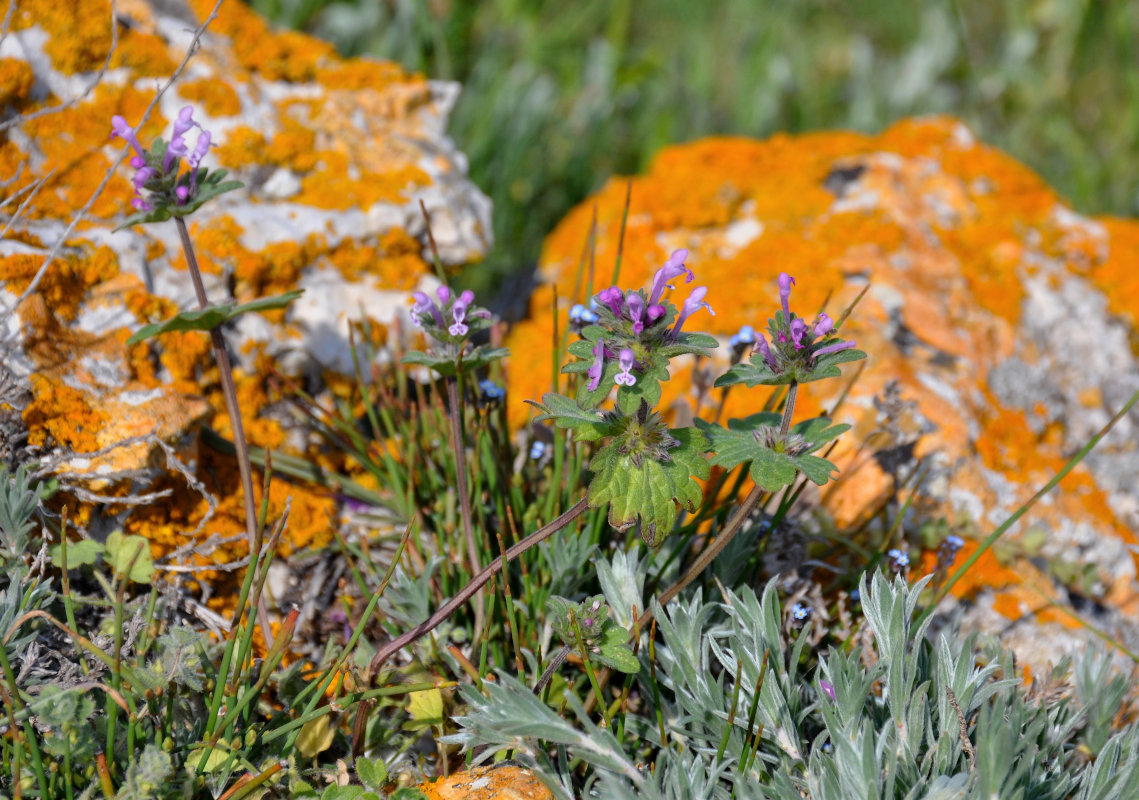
point(560, 94)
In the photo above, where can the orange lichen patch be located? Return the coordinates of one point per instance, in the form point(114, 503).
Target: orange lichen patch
point(145, 54)
point(506, 782)
point(16, 80)
point(284, 55)
point(80, 40)
point(333, 185)
point(395, 261)
point(71, 140)
point(361, 73)
point(66, 280)
point(62, 415)
point(243, 145)
point(1117, 276)
point(168, 525)
point(217, 98)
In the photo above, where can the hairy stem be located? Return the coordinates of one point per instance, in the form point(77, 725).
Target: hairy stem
point(455, 412)
point(388, 650)
point(229, 390)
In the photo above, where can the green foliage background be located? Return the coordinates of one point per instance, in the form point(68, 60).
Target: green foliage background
point(557, 96)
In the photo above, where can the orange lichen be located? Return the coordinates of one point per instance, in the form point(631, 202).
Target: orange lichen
point(65, 282)
point(395, 261)
point(216, 97)
point(284, 55)
point(332, 185)
point(71, 141)
point(16, 80)
point(502, 782)
point(62, 415)
point(361, 74)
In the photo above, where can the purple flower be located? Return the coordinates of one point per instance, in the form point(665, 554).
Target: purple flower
point(185, 121)
point(636, 305)
point(444, 294)
point(798, 329)
point(459, 312)
point(422, 305)
point(672, 268)
point(626, 359)
point(141, 204)
point(823, 325)
point(176, 150)
point(201, 147)
point(614, 298)
point(125, 132)
point(828, 689)
point(694, 303)
point(181, 193)
point(761, 345)
point(598, 367)
point(833, 348)
point(141, 176)
point(655, 312)
point(785, 284)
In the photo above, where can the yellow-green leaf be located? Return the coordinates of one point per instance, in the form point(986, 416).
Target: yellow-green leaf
point(316, 736)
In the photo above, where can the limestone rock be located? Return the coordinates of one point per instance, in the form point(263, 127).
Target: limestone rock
point(1000, 327)
point(336, 156)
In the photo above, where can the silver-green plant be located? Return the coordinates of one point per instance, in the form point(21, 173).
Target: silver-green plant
point(727, 711)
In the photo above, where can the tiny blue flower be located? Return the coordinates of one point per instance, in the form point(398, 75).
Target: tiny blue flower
point(800, 612)
point(899, 560)
point(491, 390)
point(537, 450)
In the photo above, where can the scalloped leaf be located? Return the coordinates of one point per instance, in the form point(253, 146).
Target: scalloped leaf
point(770, 470)
point(653, 492)
point(564, 412)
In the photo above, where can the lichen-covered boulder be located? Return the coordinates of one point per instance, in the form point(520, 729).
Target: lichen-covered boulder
point(1000, 327)
point(501, 782)
point(336, 156)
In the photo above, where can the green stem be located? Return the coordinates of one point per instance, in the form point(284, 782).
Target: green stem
point(229, 390)
point(455, 412)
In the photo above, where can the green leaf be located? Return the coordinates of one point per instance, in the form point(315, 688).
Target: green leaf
point(446, 365)
point(408, 793)
point(651, 492)
point(615, 650)
point(206, 319)
point(770, 469)
point(81, 553)
point(565, 413)
point(130, 552)
point(425, 708)
point(373, 773)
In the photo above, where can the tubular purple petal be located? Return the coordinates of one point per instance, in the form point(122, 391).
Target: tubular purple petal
point(798, 331)
point(444, 294)
point(614, 298)
point(694, 303)
point(834, 348)
point(423, 304)
point(467, 297)
point(824, 325)
point(761, 345)
point(201, 147)
point(655, 313)
point(785, 284)
point(184, 122)
point(598, 367)
point(672, 268)
point(125, 132)
point(636, 306)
